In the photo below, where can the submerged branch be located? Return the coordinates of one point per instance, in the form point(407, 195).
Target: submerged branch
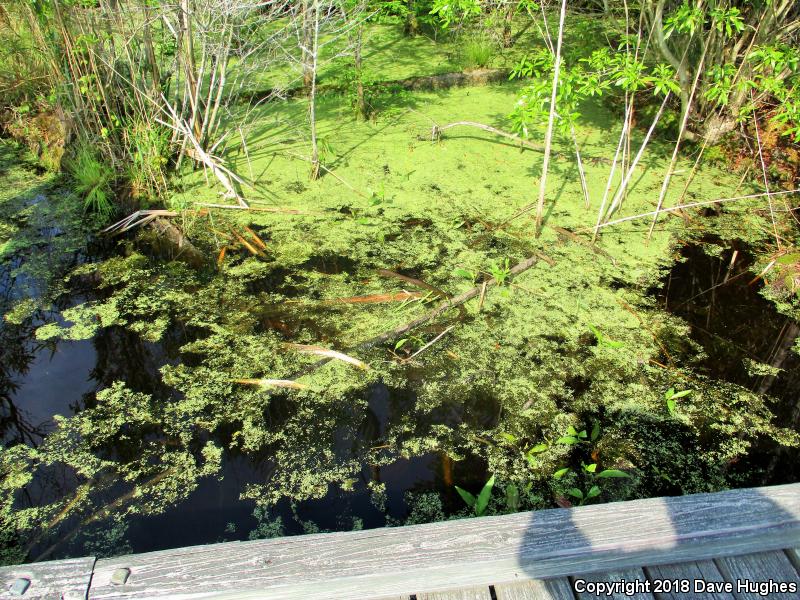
point(439, 310)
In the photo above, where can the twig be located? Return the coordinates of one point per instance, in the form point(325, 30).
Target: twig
point(693, 205)
point(413, 281)
point(428, 345)
point(766, 180)
point(272, 209)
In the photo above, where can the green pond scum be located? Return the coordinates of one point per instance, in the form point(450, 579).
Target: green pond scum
point(574, 381)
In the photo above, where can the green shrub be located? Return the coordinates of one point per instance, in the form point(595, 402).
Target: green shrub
point(92, 179)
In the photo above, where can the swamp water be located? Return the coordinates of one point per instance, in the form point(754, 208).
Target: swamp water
point(165, 448)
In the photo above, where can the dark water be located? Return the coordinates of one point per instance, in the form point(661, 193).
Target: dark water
point(720, 298)
point(40, 380)
point(61, 378)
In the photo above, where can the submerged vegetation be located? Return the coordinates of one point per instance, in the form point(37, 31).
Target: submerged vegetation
point(419, 260)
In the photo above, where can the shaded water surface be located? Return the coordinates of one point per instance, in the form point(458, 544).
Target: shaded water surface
point(719, 297)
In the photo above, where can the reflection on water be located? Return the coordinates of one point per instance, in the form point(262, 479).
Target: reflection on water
point(719, 296)
point(61, 378)
point(57, 378)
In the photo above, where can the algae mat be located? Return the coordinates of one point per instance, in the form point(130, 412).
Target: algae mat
point(546, 381)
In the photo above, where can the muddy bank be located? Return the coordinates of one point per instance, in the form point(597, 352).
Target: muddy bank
point(421, 83)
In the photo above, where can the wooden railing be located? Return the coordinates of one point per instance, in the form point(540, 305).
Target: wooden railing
point(437, 556)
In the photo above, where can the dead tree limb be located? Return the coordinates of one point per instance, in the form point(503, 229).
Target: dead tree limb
point(437, 130)
point(444, 307)
point(439, 310)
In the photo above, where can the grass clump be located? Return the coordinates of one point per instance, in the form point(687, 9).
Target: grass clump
point(92, 180)
point(476, 53)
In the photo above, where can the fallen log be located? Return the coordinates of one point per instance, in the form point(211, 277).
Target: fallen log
point(181, 248)
point(421, 83)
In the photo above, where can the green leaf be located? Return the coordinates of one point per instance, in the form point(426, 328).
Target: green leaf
point(669, 393)
point(595, 431)
point(466, 497)
point(512, 497)
point(400, 344)
point(464, 274)
point(590, 468)
point(509, 437)
point(681, 394)
point(568, 440)
point(582, 434)
point(484, 496)
point(538, 448)
point(593, 492)
point(571, 430)
point(560, 473)
point(575, 493)
point(611, 473)
point(671, 406)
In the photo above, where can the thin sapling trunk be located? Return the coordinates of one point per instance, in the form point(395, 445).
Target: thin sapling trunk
point(548, 139)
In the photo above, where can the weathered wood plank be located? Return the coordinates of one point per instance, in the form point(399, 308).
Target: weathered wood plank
point(794, 557)
point(469, 552)
point(476, 593)
point(702, 571)
point(759, 569)
point(68, 579)
point(536, 589)
point(633, 577)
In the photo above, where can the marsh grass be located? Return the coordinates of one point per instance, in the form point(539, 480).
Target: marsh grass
point(476, 53)
point(92, 179)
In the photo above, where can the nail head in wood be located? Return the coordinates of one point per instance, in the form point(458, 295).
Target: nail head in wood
point(120, 576)
point(20, 586)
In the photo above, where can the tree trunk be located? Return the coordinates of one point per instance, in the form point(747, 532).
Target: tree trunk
point(312, 96)
point(308, 39)
point(508, 19)
point(411, 27)
point(684, 79)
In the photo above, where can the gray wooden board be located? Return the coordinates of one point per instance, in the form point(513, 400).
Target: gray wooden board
point(759, 568)
point(476, 593)
point(631, 576)
point(701, 571)
point(536, 589)
point(794, 557)
point(68, 579)
point(468, 552)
